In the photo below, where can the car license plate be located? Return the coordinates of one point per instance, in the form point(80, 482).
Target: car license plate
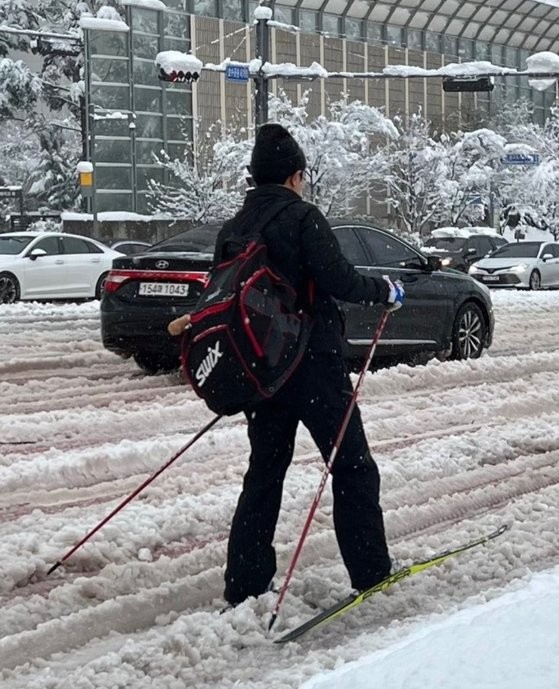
point(163, 289)
point(490, 278)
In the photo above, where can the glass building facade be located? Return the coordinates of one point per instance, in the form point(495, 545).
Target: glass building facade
point(132, 115)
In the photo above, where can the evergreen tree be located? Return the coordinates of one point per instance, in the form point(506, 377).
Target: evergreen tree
point(53, 182)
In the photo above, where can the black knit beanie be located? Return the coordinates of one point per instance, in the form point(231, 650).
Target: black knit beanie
point(275, 156)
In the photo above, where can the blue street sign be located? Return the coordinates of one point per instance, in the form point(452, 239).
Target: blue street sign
point(237, 73)
point(521, 159)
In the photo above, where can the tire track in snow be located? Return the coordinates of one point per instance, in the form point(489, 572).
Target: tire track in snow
point(521, 487)
point(471, 497)
point(184, 595)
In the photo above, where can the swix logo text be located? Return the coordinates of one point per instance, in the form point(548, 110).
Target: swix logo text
point(208, 364)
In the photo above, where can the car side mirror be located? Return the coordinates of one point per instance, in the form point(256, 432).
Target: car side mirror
point(34, 255)
point(546, 257)
point(433, 263)
point(470, 252)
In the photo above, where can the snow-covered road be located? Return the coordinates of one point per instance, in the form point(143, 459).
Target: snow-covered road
point(462, 447)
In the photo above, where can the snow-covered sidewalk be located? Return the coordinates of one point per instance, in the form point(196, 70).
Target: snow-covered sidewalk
point(511, 642)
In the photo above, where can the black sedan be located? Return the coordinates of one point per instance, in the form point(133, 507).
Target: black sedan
point(445, 312)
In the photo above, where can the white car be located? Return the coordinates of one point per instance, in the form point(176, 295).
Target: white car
point(52, 265)
point(526, 265)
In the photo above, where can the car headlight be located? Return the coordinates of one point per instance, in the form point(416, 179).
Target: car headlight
point(446, 261)
point(473, 268)
point(520, 268)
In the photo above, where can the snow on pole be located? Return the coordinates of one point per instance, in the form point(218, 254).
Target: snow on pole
point(102, 24)
point(84, 166)
point(146, 4)
point(85, 172)
point(263, 12)
point(542, 62)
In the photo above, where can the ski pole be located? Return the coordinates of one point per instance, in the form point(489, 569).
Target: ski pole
point(138, 490)
point(327, 469)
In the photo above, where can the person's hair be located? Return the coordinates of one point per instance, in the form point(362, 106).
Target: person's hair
point(275, 156)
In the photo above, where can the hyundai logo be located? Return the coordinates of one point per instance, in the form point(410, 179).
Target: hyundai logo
point(162, 264)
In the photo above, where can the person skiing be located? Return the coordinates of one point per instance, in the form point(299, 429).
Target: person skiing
point(302, 246)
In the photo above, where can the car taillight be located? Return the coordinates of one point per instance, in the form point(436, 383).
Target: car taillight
point(115, 279)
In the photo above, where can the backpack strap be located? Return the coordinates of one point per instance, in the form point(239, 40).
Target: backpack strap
point(240, 242)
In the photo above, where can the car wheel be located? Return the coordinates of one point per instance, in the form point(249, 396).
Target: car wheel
point(9, 288)
point(468, 332)
point(535, 281)
point(100, 286)
point(153, 363)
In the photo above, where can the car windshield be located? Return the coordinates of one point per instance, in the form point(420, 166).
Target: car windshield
point(200, 240)
point(450, 244)
point(14, 245)
point(518, 250)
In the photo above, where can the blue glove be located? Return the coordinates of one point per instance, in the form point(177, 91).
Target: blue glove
point(395, 294)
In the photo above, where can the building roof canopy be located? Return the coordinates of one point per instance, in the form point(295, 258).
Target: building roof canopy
point(530, 24)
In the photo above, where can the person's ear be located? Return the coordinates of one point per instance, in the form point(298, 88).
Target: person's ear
point(292, 180)
point(299, 176)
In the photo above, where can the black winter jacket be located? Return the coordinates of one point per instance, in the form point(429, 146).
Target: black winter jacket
point(303, 247)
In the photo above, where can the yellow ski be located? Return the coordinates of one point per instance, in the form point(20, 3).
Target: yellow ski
point(355, 599)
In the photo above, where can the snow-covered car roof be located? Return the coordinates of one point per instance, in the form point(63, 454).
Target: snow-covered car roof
point(463, 232)
point(28, 233)
point(40, 233)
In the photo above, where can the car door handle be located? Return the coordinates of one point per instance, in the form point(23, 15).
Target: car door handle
point(59, 261)
point(95, 260)
point(408, 278)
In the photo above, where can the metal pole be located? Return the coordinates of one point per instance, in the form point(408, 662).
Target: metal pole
point(132, 101)
point(132, 132)
point(90, 128)
point(261, 81)
point(92, 159)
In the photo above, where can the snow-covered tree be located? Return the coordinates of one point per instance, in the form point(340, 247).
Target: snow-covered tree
point(57, 86)
point(472, 160)
point(417, 168)
point(344, 149)
point(207, 185)
point(529, 195)
point(18, 147)
point(53, 183)
point(19, 88)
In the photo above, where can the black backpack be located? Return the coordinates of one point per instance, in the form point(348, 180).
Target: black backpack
point(248, 332)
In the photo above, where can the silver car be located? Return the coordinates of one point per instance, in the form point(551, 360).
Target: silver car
point(525, 265)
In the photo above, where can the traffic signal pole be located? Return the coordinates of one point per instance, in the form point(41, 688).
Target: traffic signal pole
point(261, 81)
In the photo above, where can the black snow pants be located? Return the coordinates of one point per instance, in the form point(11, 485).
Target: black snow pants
point(318, 395)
